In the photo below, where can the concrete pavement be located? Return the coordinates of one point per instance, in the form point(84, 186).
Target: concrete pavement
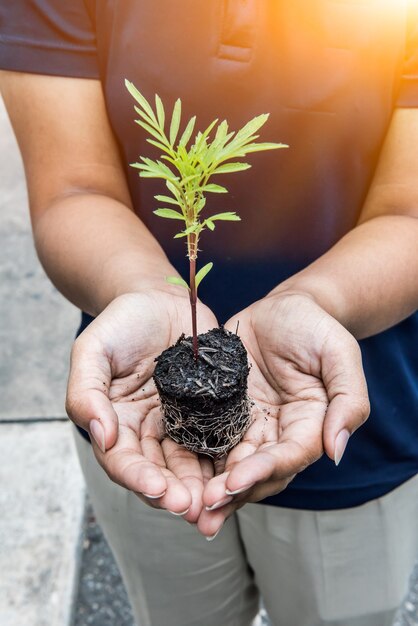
point(42, 489)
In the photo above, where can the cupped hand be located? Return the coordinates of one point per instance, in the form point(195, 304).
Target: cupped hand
point(112, 396)
point(309, 395)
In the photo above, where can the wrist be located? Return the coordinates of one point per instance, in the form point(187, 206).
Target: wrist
point(323, 294)
point(322, 291)
point(150, 280)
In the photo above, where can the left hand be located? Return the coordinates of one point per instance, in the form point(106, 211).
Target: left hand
point(111, 395)
point(309, 393)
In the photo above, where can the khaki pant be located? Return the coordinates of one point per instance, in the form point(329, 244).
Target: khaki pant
point(330, 568)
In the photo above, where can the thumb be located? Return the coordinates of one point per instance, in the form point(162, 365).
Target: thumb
point(344, 380)
point(87, 402)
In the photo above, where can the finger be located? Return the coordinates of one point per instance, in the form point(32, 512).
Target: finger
point(212, 518)
point(186, 467)
point(274, 462)
point(222, 490)
point(87, 401)
point(126, 466)
point(151, 449)
point(265, 490)
point(219, 464)
point(214, 494)
point(210, 523)
point(208, 468)
point(349, 406)
point(253, 494)
point(177, 498)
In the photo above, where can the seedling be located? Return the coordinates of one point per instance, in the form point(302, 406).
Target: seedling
point(202, 388)
point(187, 172)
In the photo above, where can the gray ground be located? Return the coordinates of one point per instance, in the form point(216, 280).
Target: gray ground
point(408, 612)
point(102, 599)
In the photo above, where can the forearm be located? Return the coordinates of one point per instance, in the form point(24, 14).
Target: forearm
point(368, 281)
point(94, 248)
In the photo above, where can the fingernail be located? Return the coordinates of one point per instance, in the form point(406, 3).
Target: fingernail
point(237, 491)
point(218, 504)
point(340, 445)
point(147, 495)
point(212, 537)
point(178, 514)
point(97, 432)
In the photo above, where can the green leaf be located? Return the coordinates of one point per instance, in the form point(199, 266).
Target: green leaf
point(244, 137)
point(170, 213)
point(159, 167)
point(252, 126)
point(209, 224)
point(257, 147)
point(174, 191)
point(202, 273)
point(170, 159)
point(175, 121)
point(221, 132)
point(166, 199)
point(188, 179)
point(160, 111)
point(191, 229)
point(187, 132)
point(200, 204)
point(231, 167)
point(164, 168)
point(229, 216)
point(148, 174)
point(145, 117)
point(208, 130)
point(154, 169)
point(152, 174)
point(221, 138)
point(183, 154)
point(140, 99)
point(159, 145)
point(200, 144)
point(176, 280)
point(214, 188)
point(149, 129)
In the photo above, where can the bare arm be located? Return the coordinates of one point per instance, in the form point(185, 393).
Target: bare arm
point(91, 244)
point(307, 369)
point(368, 281)
point(102, 258)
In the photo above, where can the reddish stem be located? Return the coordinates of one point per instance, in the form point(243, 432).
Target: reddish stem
point(193, 291)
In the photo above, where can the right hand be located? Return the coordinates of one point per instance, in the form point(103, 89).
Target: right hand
point(111, 395)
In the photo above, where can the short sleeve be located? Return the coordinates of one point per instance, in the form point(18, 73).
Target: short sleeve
point(408, 93)
point(47, 37)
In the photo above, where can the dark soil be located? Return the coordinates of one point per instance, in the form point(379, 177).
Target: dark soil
point(205, 402)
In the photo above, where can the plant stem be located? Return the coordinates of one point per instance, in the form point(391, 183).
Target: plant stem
point(192, 246)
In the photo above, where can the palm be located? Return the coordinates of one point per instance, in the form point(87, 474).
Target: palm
point(118, 351)
point(289, 406)
point(306, 384)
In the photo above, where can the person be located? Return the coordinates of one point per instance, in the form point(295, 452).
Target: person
point(321, 275)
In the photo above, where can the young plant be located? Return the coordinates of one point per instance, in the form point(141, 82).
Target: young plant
point(187, 172)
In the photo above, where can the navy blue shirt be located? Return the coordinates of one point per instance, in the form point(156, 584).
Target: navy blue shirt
point(330, 74)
